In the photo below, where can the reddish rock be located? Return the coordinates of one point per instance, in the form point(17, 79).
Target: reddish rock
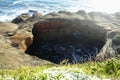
point(57, 28)
point(77, 37)
point(59, 39)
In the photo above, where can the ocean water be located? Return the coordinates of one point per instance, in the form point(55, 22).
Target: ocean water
point(9, 9)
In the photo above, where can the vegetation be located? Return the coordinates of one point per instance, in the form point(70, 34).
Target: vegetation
point(109, 69)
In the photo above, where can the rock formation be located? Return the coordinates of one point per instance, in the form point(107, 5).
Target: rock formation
point(8, 27)
point(12, 58)
point(21, 18)
point(77, 37)
point(22, 39)
point(59, 39)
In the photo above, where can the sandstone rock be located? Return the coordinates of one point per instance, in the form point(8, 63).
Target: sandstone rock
point(22, 39)
point(106, 52)
point(12, 58)
point(21, 18)
point(37, 15)
point(8, 27)
point(26, 25)
point(58, 39)
point(77, 37)
point(29, 22)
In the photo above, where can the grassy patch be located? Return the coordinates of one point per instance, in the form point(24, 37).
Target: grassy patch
point(109, 69)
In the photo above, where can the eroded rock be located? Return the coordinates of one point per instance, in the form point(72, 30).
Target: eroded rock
point(77, 37)
point(7, 27)
point(37, 15)
point(22, 39)
point(74, 39)
point(21, 18)
point(12, 58)
point(106, 52)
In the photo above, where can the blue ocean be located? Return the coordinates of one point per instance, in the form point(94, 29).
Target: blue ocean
point(9, 9)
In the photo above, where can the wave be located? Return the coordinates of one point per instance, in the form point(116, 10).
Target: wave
point(11, 8)
point(14, 8)
point(5, 18)
point(16, 2)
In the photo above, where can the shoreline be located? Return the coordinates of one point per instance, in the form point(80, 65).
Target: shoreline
point(31, 12)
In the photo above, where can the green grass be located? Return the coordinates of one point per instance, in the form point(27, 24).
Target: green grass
point(109, 69)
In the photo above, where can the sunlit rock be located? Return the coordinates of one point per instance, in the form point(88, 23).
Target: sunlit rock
point(22, 39)
point(7, 27)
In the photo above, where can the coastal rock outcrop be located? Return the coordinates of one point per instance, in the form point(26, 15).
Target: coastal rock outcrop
point(78, 37)
point(21, 18)
point(37, 15)
point(73, 37)
point(22, 39)
point(7, 27)
point(59, 39)
point(12, 58)
point(28, 22)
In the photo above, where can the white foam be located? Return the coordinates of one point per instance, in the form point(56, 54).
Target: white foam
point(5, 18)
point(16, 2)
point(23, 6)
point(9, 17)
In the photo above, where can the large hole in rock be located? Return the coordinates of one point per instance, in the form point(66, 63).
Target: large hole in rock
point(59, 39)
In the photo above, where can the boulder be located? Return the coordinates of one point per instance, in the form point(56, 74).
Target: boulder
point(57, 39)
point(21, 18)
point(30, 21)
point(37, 15)
point(7, 27)
point(76, 37)
point(26, 25)
point(22, 39)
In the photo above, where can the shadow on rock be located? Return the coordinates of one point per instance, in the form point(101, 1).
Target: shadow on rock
point(72, 39)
